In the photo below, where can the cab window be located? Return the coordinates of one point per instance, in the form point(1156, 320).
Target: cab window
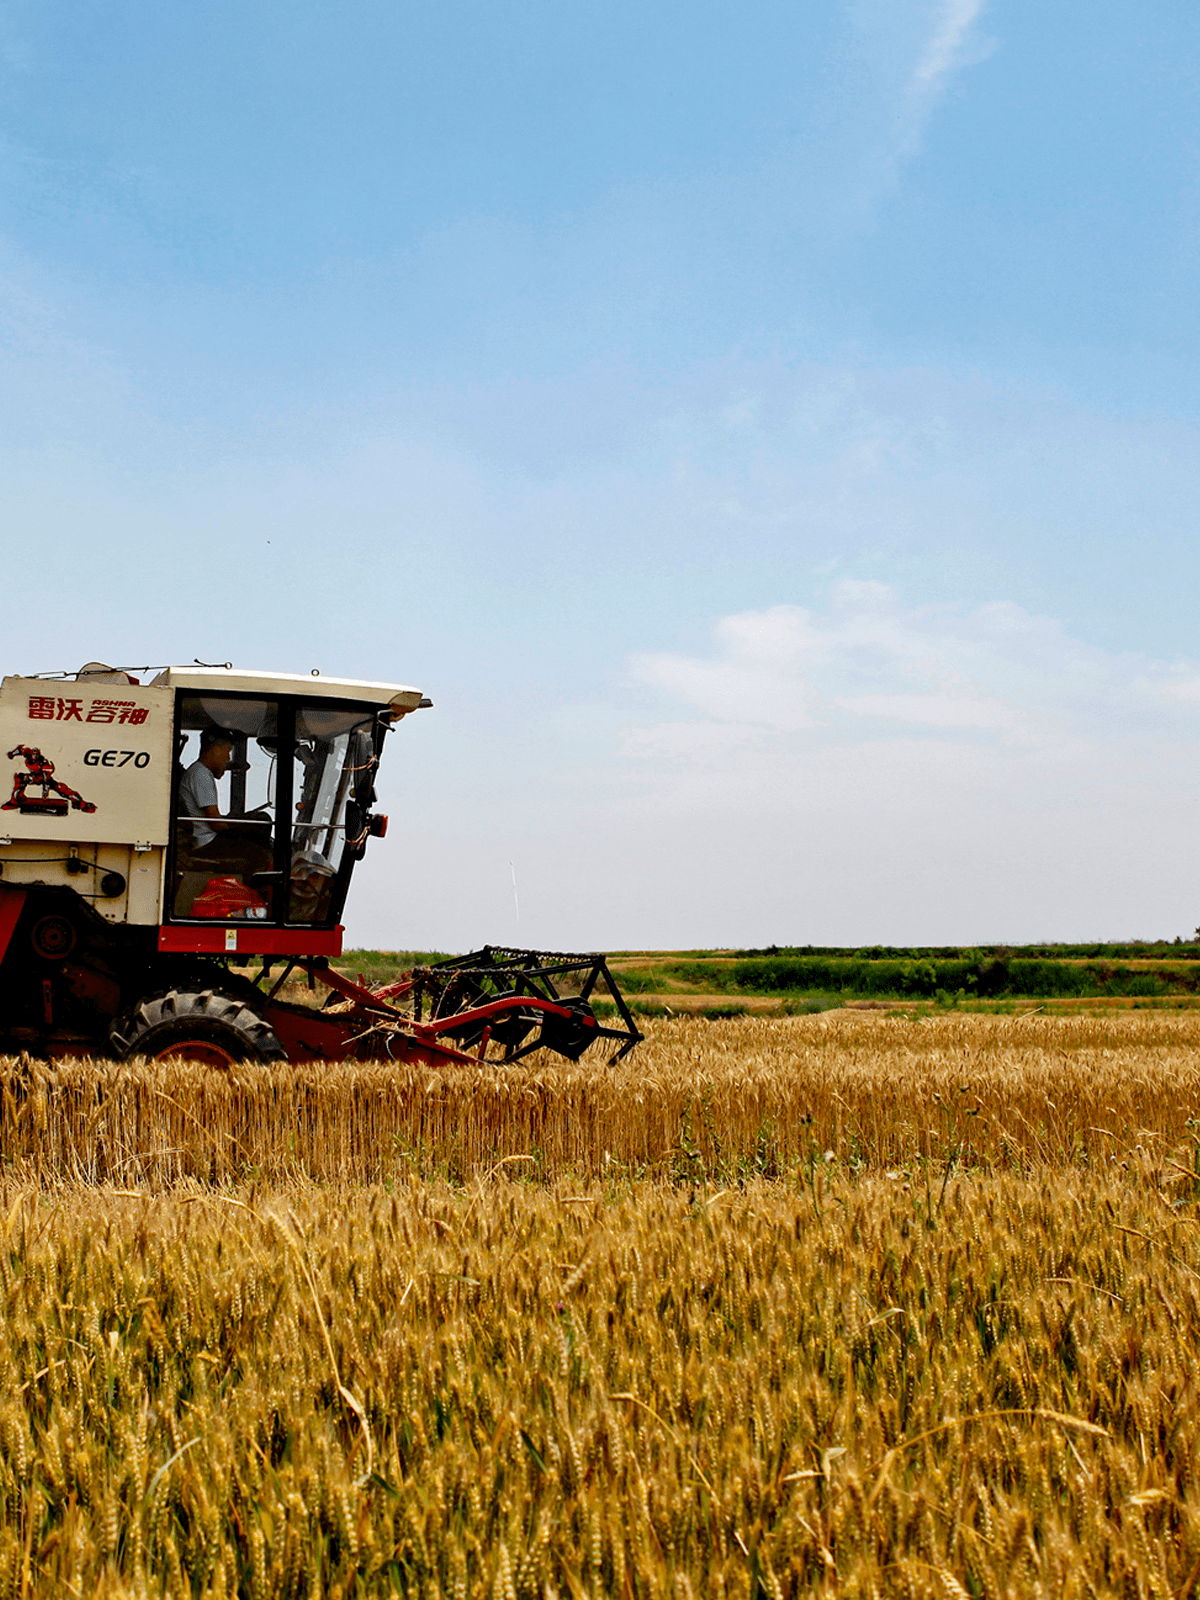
point(225, 808)
point(271, 805)
point(334, 764)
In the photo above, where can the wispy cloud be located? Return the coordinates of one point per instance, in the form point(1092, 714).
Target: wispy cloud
point(870, 770)
point(945, 48)
point(871, 667)
point(912, 50)
point(952, 44)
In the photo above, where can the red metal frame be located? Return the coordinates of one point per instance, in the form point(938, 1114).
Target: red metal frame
point(310, 1035)
point(307, 1034)
point(376, 1000)
point(250, 940)
point(12, 903)
point(458, 1019)
point(486, 1013)
point(419, 1041)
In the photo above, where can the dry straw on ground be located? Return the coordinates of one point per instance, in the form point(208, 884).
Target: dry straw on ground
point(699, 1098)
point(514, 1392)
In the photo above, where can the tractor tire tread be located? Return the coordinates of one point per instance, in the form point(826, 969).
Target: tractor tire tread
point(153, 1019)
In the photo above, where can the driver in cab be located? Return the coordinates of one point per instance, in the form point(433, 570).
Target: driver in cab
point(242, 844)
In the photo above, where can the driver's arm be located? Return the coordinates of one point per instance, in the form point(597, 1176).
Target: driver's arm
point(212, 815)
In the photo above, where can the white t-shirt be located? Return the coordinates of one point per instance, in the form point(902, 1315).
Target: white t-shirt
point(197, 789)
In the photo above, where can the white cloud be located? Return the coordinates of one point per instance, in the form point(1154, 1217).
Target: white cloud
point(759, 675)
point(952, 44)
point(874, 771)
point(1185, 689)
point(855, 772)
point(997, 671)
point(934, 710)
point(947, 44)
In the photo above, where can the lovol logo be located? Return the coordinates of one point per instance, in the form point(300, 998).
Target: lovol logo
point(55, 800)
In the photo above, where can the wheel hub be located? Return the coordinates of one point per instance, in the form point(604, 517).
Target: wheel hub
point(204, 1051)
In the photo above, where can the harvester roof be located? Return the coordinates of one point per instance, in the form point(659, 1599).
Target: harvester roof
point(398, 697)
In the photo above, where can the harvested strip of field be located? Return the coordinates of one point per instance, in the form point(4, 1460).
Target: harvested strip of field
point(514, 1392)
point(700, 1099)
point(682, 1000)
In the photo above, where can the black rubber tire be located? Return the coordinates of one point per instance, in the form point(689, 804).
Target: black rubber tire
point(219, 1025)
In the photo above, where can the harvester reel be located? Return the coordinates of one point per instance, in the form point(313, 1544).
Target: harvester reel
point(568, 1036)
point(510, 1031)
point(471, 983)
point(208, 1027)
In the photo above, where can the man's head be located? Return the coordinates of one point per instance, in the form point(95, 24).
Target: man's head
point(216, 750)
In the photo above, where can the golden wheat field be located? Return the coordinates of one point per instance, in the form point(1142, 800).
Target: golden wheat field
point(851, 1306)
point(698, 1098)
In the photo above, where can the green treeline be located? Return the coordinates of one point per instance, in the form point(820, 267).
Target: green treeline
point(987, 977)
point(1129, 950)
point(974, 975)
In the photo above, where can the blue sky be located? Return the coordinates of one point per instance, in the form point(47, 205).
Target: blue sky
point(577, 362)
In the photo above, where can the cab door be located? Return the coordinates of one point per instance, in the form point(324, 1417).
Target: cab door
point(334, 762)
point(225, 867)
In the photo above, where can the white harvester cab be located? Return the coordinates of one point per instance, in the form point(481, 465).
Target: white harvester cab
point(96, 798)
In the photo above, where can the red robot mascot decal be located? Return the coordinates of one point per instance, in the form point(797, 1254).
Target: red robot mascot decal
point(55, 799)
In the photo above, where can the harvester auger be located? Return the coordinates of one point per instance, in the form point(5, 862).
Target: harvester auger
point(204, 860)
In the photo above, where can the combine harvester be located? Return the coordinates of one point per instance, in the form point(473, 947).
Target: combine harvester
point(134, 883)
